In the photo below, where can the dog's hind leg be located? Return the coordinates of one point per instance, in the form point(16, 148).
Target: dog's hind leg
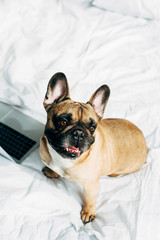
point(49, 173)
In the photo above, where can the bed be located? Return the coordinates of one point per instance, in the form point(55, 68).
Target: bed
point(93, 42)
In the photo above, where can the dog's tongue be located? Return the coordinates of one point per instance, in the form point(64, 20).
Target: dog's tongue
point(73, 149)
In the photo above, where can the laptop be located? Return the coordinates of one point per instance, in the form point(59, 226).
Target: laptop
point(19, 133)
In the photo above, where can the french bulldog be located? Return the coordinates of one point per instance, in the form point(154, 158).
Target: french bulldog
point(78, 145)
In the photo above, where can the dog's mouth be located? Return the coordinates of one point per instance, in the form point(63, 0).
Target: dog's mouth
point(67, 152)
point(73, 151)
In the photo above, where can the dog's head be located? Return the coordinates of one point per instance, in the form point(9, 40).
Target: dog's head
point(71, 126)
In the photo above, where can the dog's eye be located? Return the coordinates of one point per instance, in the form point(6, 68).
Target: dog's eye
point(91, 129)
point(63, 123)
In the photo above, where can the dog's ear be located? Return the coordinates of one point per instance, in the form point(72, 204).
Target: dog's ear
point(57, 90)
point(99, 100)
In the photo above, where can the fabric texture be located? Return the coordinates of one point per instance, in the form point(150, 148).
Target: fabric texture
point(136, 8)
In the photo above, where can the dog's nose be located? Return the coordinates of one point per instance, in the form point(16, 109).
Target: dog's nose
point(78, 135)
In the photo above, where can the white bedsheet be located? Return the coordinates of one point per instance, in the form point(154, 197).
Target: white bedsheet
point(92, 47)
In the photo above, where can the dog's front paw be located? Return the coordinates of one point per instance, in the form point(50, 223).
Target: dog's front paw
point(87, 215)
point(49, 173)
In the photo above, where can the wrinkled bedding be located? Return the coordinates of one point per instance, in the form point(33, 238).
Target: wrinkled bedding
point(92, 46)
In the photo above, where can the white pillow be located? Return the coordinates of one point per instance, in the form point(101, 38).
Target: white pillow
point(149, 9)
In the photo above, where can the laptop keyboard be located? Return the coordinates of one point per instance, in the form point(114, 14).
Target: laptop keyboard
point(13, 142)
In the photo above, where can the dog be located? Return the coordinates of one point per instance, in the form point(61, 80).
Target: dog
point(78, 145)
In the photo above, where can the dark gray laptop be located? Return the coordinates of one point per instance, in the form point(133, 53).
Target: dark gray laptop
point(19, 134)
